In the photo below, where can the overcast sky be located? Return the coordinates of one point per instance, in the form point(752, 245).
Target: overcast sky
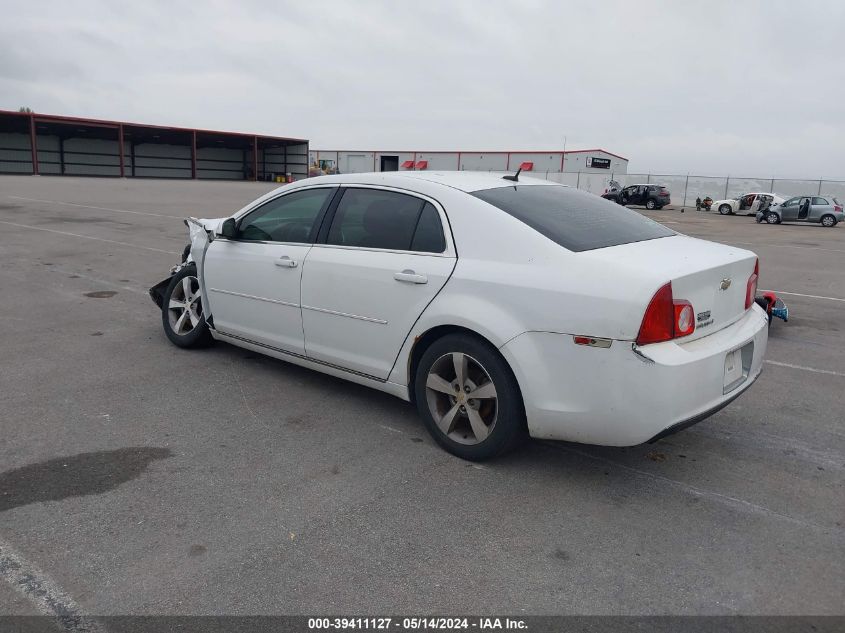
point(707, 87)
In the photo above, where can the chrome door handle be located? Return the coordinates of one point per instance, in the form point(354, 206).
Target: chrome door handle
point(286, 262)
point(409, 276)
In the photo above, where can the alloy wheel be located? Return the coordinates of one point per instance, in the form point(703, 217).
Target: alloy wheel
point(184, 308)
point(828, 221)
point(462, 398)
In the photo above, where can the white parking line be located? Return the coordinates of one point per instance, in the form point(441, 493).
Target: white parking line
point(798, 294)
point(42, 592)
point(88, 206)
point(810, 369)
point(88, 237)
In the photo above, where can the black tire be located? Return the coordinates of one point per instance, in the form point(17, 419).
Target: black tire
point(772, 218)
point(198, 335)
point(650, 205)
point(828, 220)
point(725, 209)
point(507, 429)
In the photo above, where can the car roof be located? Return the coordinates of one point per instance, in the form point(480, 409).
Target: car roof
point(467, 181)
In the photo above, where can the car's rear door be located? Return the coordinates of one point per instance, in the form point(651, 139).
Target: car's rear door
point(381, 258)
point(253, 281)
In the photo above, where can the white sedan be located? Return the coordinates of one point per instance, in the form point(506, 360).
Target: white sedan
point(499, 307)
point(747, 202)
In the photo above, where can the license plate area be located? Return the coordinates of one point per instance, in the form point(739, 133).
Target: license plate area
point(738, 366)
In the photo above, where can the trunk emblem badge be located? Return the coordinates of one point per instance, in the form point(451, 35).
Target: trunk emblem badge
point(726, 283)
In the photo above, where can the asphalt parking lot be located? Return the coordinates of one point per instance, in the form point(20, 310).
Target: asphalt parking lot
point(139, 478)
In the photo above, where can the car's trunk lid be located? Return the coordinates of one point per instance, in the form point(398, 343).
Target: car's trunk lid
point(712, 277)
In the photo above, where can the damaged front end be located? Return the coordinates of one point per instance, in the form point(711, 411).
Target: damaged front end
point(201, 233)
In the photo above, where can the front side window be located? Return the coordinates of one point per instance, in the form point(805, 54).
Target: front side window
point(288, 218)
point(576, 220)
point(791, 202)
point(374, 218)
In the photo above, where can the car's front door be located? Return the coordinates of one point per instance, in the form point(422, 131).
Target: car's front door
point(789, 209)
point(372, 272)
point(253, 280)
point(819, 207)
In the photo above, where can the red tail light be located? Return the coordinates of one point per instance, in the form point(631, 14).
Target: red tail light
point(665, 318)
point(837, 208)
point(751, 288)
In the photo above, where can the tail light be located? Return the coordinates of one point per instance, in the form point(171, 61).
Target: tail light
point(837, 208)
point(666, 319)
point(751, 287)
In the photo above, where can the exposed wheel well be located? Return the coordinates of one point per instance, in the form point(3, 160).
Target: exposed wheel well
point(424, 342)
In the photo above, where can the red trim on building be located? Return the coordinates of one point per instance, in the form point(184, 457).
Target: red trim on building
point(422, 164)
point(408, 164)
point(527, 166)
point(463, 151)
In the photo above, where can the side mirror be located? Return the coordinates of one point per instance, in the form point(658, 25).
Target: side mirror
point(229, 229)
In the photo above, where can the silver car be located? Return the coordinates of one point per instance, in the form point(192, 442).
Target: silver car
point(826, 210)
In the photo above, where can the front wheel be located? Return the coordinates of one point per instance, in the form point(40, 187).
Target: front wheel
point(468, 398)
point(725, 209)
point(182, 310)
point(828, 220)
point(772, 218)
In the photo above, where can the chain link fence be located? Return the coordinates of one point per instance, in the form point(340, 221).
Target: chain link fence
point(686, 188)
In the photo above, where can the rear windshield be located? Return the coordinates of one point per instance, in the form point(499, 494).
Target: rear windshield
point(836, 201)
point(576, 220)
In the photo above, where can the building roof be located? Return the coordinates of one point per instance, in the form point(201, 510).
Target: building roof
point(465, 151)
point(55, 118)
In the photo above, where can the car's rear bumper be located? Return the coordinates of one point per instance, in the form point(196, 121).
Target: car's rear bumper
point(623, 395)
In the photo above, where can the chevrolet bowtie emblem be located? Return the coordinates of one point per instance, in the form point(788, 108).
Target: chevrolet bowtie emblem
point(726, 283)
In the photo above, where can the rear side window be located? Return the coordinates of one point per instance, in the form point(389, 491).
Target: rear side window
point(819, 201)
point(576, 220)
point(373, 218)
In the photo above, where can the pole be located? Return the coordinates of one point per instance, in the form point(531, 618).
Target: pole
point(255, 158)
point(820, 188)
point(727, 180)
point(686, 186)
point(578, 180)
point(33, 145)
point(119, 149)
point(772, 186)
point(193, 156)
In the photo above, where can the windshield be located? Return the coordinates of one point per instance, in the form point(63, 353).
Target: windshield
point(576, 220)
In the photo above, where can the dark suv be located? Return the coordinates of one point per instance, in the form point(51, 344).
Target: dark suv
point(651, 196)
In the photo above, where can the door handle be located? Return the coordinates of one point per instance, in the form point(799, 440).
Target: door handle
point(409, 276)
point(286, 262)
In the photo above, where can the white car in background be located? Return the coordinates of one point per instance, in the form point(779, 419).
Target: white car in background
point(498, 306)
point(747, 202)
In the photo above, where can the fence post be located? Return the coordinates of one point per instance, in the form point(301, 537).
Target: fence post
point(578, 180)
point(772, 187)
point(686, 186)
point(820, 188)
point(727, 180)
point(648, 179)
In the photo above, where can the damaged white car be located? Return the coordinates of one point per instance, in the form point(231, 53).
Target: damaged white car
point(501, 307)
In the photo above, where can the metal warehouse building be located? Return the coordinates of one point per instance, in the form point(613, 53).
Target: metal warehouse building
point(58, 145)
point(583, 160)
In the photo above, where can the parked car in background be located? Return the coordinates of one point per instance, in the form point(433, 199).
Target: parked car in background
point(826, 210)
point(648, 195)
point(747, 202)
point(499, 307)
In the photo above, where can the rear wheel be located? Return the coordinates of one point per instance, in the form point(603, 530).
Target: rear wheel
point(468, 398)
point(725, 209)
point(828, 220)
point(772, 218)
point(182, 310)
point(650, 204)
